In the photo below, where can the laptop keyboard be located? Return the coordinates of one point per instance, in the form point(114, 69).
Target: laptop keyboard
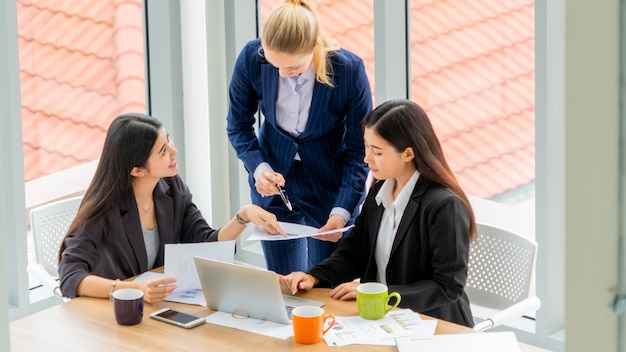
point(292, 302)
point(289, 310)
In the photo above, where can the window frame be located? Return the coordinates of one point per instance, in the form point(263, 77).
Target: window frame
point(12, 203)
point(550, 175)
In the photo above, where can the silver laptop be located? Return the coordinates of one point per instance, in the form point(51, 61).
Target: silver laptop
point(246, 291)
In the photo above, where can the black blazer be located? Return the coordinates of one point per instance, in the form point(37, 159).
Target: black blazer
point(112, 246)
point(429, 256)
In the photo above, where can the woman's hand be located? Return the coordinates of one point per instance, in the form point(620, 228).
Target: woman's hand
point(261, 217)
point(296, 281)
point(156, 290)
point(335, 221)
point(267, 181)
point(250, 213)
point(345, 291)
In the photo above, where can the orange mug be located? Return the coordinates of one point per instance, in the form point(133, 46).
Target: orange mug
point(308, 324)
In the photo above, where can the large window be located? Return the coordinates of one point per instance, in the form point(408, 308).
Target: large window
point(80, 66)
point(472, 69)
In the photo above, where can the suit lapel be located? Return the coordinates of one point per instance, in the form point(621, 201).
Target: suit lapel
point(269, 81)
point(133, 232)
point(164, 208)
point(410, 212)
point(317, 112)
point(374, 217)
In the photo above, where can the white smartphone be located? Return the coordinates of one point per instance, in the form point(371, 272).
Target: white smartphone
point(175, 317)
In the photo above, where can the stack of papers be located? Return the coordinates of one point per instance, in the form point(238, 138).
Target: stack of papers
point(346, 330)
point(397, 323)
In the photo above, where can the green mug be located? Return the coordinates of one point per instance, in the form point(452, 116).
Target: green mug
point(372, 300)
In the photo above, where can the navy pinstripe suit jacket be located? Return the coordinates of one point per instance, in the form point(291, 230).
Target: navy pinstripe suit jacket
point(331, 146)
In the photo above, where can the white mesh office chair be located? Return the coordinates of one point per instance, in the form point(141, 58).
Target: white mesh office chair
point(501, 272)
point(49, 223)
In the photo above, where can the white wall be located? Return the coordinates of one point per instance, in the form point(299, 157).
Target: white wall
point(591, 199)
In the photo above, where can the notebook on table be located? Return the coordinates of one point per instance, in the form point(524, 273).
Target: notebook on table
point(246, 291)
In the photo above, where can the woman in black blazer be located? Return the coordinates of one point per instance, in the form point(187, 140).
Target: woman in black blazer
point(415, 227)
point(136, 203)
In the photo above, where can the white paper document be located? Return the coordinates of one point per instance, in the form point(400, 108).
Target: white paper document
point(397, 323)
point(292, 230)
point(424, 330)
point(148, 275)
point(257, 326)
point(470, 342)
point(179, 264)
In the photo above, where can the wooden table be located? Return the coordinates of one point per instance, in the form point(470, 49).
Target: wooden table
point(88, 324)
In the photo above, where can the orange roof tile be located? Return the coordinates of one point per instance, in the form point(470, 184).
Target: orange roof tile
point(472, 70)
point(81, 64)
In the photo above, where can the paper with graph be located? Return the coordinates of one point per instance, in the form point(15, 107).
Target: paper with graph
point(180, 265)
point(397, 323)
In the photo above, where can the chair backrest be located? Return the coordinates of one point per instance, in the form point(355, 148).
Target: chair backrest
point(49, 223)
point(501, 267)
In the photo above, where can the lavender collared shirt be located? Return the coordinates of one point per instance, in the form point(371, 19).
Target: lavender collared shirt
point(292, 113)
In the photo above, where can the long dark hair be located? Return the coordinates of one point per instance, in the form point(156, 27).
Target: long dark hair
point(128, 144)
point(403, 123)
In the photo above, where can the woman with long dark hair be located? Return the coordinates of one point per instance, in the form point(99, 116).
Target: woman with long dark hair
point(415, 227)
point(136, 203)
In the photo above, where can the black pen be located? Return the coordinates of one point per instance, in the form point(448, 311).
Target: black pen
point(283, 195)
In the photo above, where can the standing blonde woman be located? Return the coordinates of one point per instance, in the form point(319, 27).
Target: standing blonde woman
point(313, 95)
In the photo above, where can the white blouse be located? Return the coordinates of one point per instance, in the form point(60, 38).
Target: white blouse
point(394, 209)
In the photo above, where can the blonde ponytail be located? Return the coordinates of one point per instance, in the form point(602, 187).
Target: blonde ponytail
point(293, 28)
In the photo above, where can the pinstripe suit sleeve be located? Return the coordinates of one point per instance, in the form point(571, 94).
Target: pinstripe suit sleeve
point(243, 106)
point(359, 102)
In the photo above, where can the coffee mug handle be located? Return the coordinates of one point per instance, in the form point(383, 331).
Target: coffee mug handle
point(332, 322)
point(397, 296)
